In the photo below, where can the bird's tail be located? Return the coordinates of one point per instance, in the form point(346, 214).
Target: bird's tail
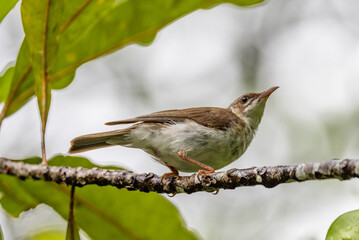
point(99, 140)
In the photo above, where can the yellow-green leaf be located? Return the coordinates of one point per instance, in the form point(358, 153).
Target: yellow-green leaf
point(46, 235)
point(346, 226)
point(5, 83)
point(101, 27)
point(5, 7)
point(18, 83)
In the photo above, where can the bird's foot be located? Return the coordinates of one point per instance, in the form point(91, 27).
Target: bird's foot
point(200, 173)
point(167, 175)
point(173, 172)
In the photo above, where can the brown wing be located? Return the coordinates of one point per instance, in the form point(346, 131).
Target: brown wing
point(206, 116)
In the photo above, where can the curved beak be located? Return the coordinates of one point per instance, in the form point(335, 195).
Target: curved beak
point(267, 93)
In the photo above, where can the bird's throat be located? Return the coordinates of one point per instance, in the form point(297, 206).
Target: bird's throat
point(254, 117)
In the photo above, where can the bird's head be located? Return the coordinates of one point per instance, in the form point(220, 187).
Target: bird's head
point(250, 106)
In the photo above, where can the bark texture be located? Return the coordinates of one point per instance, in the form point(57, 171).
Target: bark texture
point(148, 182)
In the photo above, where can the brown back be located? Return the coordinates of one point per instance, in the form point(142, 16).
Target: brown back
point(207, 116)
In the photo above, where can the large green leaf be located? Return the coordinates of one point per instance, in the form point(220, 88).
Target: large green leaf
point(82, 30)
point(105, 26)
point(346, 226)
point(5, 7)
point(40, 20)
point(63, 35)
point(102, 212)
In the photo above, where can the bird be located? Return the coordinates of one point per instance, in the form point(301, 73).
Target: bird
point(199, 139)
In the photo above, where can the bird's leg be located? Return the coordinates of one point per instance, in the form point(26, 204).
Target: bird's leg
point(173, 172)
point(182, 154)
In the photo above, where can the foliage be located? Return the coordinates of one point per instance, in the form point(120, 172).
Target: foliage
point(346, 226)
point(5, 7)
point(60, 36)
point(102, 212)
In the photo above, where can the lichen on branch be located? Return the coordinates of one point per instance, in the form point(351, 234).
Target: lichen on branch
point(149, 182)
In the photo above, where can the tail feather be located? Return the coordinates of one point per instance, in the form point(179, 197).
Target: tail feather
point(98, 140)
point(82, 148)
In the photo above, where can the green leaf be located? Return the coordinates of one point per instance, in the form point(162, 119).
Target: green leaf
point(40, 22)
point(102, 212)
point(53, 235)
point(20, 83)
point(15, 199)
point(83, 30)
point(5, 83)
point(97, 28)
point(346, 226)
point(5, 7)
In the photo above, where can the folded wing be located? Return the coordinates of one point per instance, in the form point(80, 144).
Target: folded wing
point(207, 116)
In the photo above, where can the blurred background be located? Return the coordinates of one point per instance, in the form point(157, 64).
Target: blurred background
point(209, 58)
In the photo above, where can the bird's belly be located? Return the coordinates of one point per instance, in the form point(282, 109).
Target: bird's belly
point(213, 147)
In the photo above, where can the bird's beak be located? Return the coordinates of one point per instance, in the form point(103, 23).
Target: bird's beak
point(267, 93)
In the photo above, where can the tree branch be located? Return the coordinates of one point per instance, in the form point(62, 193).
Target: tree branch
point(149, 182)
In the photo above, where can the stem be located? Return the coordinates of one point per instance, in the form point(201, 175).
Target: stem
point(44, 90)
point(71, 222)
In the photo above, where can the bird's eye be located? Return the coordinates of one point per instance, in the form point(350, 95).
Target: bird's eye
point(244, 100)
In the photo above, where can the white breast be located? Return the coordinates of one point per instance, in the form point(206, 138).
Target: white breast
point(214, 147)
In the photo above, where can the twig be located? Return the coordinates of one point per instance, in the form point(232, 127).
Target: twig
point(149, 182)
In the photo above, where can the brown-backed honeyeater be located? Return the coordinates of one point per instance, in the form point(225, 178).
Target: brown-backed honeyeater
point(194, 139)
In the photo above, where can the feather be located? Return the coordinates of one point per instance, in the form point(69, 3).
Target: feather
point(220, 118)
point(99, 140)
